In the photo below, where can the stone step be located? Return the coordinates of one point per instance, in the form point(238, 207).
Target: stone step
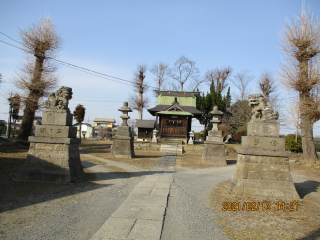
point(172, 148)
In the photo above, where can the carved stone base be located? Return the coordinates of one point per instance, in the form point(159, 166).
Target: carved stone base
point(262, 176)
point(52, 162)
point(122, 147)
point(214, 152)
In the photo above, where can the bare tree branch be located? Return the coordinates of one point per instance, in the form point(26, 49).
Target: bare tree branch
point(184, 70)
point(137, 101)
point(266, 84)
point(160, 70)
point(36, 78)
point(219, 76)
point(241, 81)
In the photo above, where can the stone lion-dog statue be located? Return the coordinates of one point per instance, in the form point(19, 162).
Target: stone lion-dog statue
point(261, 109)
point(59, 99)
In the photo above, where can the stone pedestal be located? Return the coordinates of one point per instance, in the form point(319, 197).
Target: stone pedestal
point(54, 150)
point(214, 151)
point(122, 146)
point(262, 169)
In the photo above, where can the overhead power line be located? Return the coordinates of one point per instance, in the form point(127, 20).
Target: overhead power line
point(12, 45)
point(10, 38)
point(86, 70)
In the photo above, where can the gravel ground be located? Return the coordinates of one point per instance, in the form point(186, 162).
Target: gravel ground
point(76, 216)
point(188, 215)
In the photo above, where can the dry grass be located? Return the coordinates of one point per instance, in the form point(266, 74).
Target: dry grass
point(143, 159)
point(274, 223)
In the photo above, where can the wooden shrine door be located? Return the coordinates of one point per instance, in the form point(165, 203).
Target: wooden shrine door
point(174, 126)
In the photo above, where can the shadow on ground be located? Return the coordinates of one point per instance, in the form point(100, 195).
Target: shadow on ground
point(230, 162)
point(312, 236)
point(17, 194)
point(95, 148)
point(306, 187)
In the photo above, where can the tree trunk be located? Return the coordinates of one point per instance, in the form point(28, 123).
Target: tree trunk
point(36, 92)
point(26, 125)
point(14, 127)
point(140, 106)
point(9, 123)
point(308, 146)
point(80, 130)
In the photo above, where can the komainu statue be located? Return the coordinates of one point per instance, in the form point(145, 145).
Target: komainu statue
point(261, 109)
point(59, 100)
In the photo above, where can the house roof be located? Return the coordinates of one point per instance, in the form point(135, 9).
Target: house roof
point(145, 123)
point(87, 124)
point(105, 120)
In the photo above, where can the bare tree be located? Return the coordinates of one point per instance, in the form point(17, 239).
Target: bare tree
point(219, 76)
point(293, 115)
point(184, 70)
point(137, 102)
point(241, 81)
point(160, 70)
point(132, 124)
point(266, 84)
point(37, 77)
point(299, 72)
point(268, 87)
point(240, 115)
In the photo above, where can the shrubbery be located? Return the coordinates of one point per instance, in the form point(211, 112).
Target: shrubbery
point(292, 145)
point(237, 136)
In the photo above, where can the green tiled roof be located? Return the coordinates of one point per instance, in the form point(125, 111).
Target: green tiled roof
point(183, 98)
point(175, 113)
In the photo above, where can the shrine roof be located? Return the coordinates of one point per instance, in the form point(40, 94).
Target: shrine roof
point(183, 98)
point(187, 109)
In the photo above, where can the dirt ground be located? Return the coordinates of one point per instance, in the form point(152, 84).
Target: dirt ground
point(296, 220)
point(300, 223)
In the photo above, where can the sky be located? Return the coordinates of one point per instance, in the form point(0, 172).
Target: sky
point(113, 37)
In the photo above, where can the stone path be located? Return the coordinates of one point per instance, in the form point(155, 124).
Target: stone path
point(141, 215)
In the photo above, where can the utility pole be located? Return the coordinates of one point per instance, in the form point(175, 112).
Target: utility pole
point(9, 120)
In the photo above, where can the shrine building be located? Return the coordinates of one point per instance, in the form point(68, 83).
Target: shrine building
point(175, 111)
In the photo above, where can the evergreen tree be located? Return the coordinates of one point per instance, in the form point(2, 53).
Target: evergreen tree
point(205, 104)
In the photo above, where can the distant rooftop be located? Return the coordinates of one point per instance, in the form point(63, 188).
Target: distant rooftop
point(145, 123)
point(87, 124)
point(105, 120)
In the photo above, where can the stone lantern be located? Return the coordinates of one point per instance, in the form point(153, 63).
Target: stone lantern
point(214, 151)
point(216, 117)
point(191, 135)
point(122, 146)
point(155, 132)
point(125, 109)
